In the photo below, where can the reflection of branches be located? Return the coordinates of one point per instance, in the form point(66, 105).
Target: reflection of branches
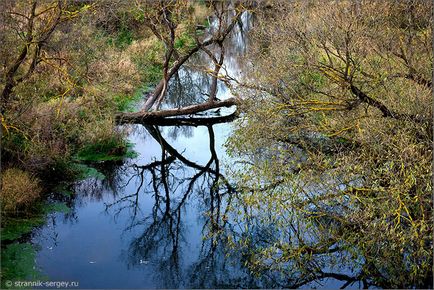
point(349, 280)
point(171, 181)
point(111, 181)
point(157, 135)
point(224, 28)
point(186, 88)
point(174, 179)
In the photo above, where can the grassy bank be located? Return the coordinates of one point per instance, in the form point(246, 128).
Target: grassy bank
point(57, 113)
point(60, 124)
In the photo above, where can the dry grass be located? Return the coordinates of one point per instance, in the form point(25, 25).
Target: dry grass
point(201, 12)
point(18, 190)
point(115, 72)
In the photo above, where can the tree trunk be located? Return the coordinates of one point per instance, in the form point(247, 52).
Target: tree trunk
point(157, 116)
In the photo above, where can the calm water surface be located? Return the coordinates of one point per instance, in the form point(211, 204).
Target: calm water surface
point(152, 222)
point(149, 224)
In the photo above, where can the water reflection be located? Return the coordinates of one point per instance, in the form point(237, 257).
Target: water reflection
point(187, 88)
point(163, 237)
point(159, 220)
point(173, 181)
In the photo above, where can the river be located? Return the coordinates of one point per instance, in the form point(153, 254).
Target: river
point(150, 222)
point(157, 220)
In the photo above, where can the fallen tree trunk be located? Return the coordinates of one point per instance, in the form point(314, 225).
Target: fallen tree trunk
point(163, 117)
point(185, 121)
point(150, 113)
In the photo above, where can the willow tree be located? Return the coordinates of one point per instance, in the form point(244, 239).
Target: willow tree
point(338, 130)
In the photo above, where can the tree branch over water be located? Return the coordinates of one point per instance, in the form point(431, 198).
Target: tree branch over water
point(226, 16)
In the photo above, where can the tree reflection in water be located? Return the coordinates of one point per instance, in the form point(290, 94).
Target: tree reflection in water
point(172, 181)
point(161, 229)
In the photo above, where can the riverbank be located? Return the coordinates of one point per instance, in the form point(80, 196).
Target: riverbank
point(64, 130)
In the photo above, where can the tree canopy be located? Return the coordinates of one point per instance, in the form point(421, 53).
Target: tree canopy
point(338, 134)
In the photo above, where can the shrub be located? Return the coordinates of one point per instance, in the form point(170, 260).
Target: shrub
point(18, 190)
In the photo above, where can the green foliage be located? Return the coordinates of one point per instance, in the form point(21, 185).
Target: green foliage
point(15, 144)
point(63, 167)
point(124, 103)
point(66, 171)
point(18, 263)
point(83, 171)
point(63, 189)
point(150, 62)
point(106, 150)
point(122, 39)
point(55, 207)
point(312, 78)
point(185, 40)
point(14, 228)
point(152, 73)
point(127, 103)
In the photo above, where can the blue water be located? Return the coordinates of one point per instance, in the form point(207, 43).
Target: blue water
point(153, 222)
